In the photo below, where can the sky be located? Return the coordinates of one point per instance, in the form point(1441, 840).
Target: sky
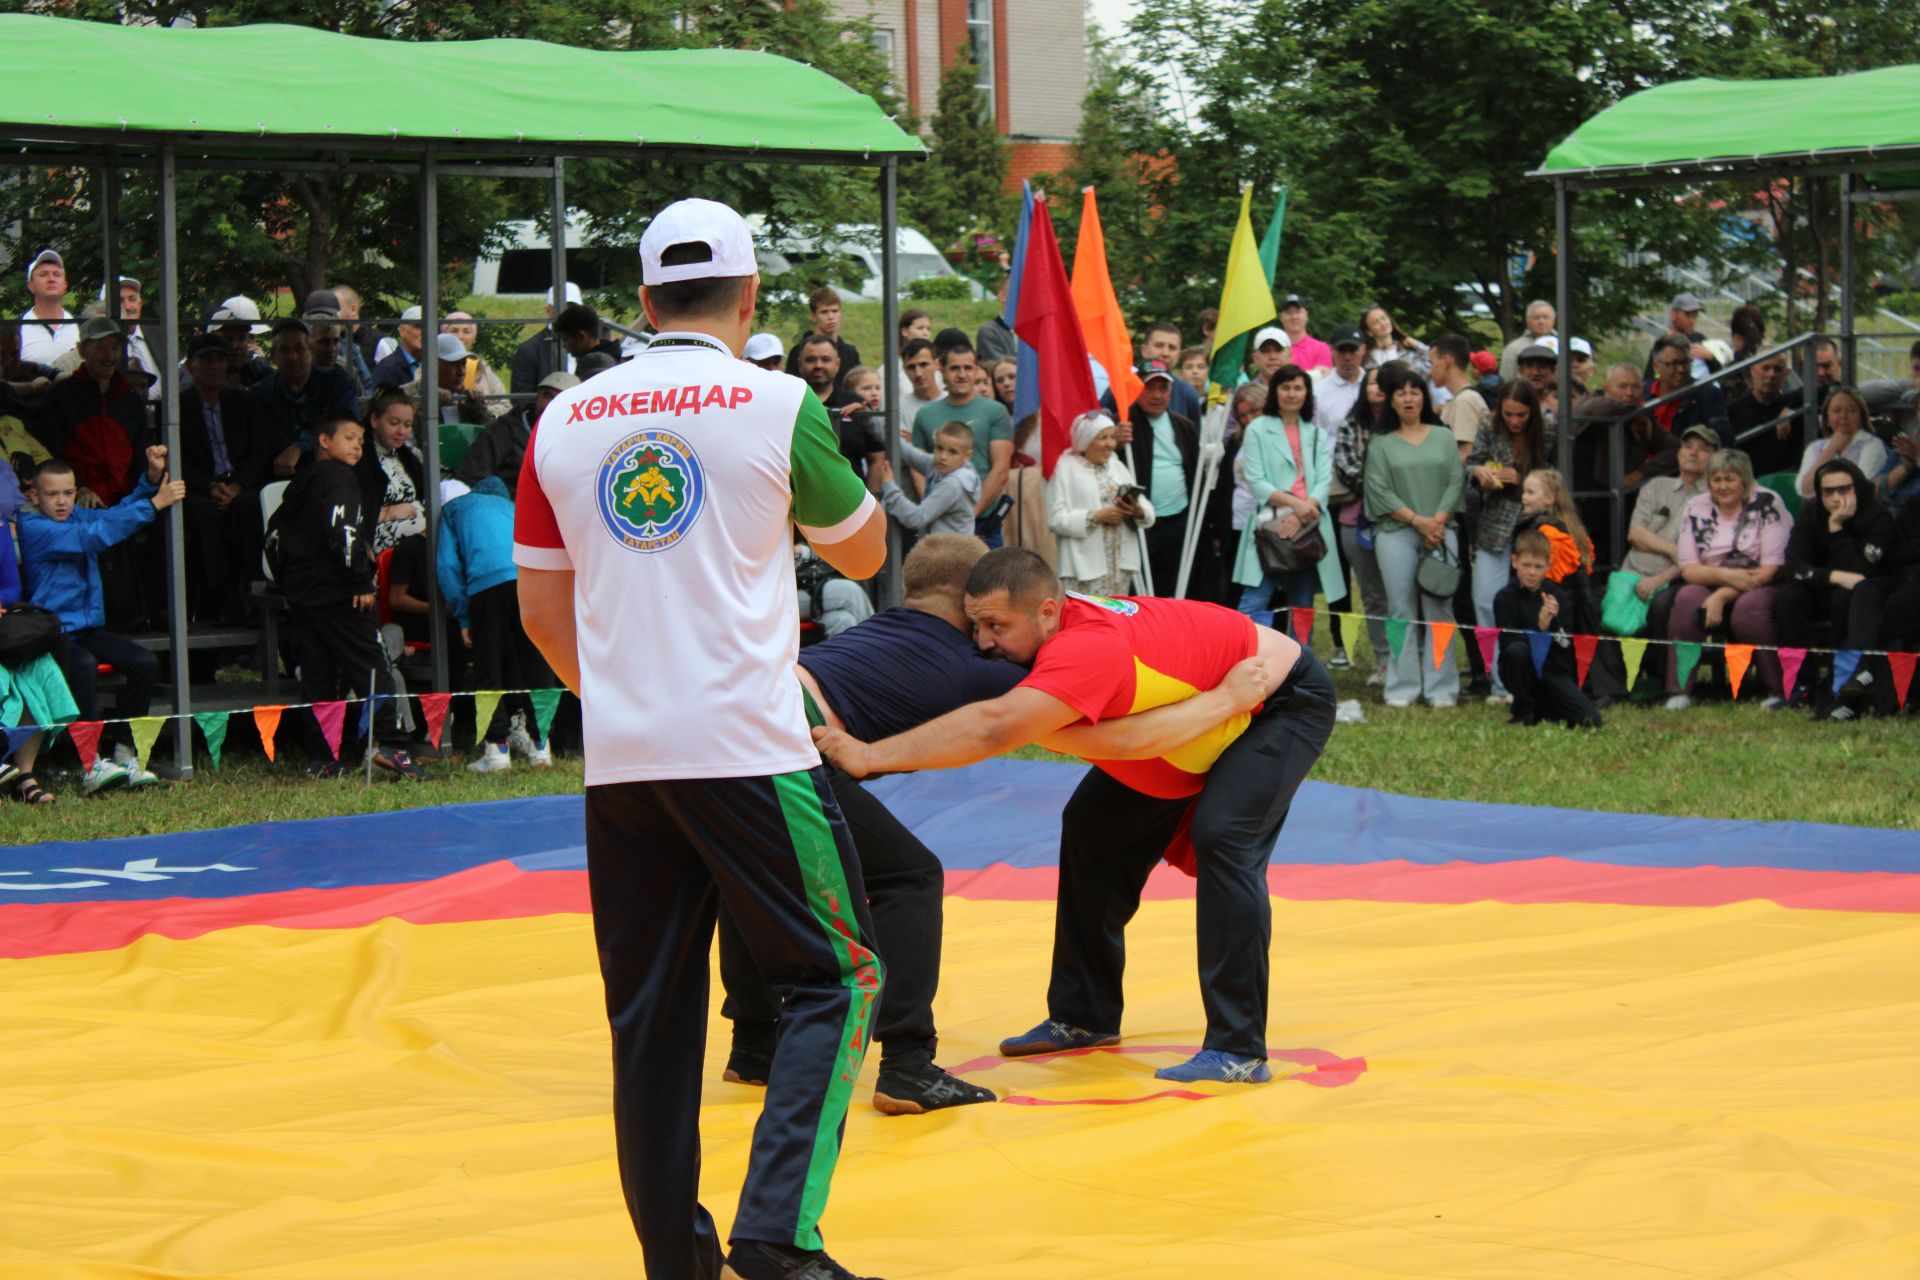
point(1112, 15)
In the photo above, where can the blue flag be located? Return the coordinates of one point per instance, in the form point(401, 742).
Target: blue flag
point(1845, 663)
point(1541, 644)
point(1026, 389)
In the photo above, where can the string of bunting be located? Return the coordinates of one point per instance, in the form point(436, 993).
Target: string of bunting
point(1687, 653)
point(331, 716)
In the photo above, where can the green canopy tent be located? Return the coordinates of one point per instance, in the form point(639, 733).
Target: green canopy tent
point(169, 99)
point(1697, 131)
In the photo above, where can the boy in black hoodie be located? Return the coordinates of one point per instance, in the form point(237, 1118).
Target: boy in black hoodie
point(1840, 541)
point(323, 563)
point(1531, 603)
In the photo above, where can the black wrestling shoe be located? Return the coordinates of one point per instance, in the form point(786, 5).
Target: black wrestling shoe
point(758, 1260)
point(912, 1091)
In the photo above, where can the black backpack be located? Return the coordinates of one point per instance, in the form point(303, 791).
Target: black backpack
point(27, 632)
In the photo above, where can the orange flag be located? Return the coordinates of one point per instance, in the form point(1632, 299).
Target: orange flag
point(1101, 323)
point(1442, 639)
point(268, 720)
point(1738, 656)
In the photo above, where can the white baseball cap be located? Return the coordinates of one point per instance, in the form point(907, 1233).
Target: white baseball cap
point(240, 307)
point(45, 255)
point(1272, 333)
point(450, 348)
point(762, 346)
point(411, 313)
point(706, 222)
point(573, 293)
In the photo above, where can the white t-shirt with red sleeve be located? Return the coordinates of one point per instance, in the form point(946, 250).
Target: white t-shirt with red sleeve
point(670, 486)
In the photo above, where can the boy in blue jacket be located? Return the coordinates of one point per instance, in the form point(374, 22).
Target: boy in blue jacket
point(60, 546)
point(477, 580)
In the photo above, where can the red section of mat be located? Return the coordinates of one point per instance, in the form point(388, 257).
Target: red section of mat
point(495, 891)
point(501, 891)
point(1533, 881)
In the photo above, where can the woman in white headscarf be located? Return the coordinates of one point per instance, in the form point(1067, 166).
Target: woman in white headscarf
point(1095, 509)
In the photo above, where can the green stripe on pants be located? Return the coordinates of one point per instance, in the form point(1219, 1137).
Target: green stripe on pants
point(826, 886)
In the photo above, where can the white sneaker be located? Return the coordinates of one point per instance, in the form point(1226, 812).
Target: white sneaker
point(104, 776)
point(540, 755)
point(1499, 699)
point(1444, 704)
point(136, 776)
point(1679, 702)
point(518, 739)
point(493, 759)
point(1399, 704)
point(1378, 678)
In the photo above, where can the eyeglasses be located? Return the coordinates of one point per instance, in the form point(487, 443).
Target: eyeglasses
point(1677, 362)
point(1835, 491)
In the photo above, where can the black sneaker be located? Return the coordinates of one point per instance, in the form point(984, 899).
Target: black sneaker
point(397, 760)
point(323, 768)
point(912, 1091)
point(744, 1067)
point(758, 1260)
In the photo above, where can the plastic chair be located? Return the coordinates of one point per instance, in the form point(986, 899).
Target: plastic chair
point(271, 495)
point(1786, 484)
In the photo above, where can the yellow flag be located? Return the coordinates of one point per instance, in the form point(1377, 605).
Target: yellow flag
point(1246, 299)
point(1631, 652)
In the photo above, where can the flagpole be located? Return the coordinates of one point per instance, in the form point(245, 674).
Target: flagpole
point(1146, 566)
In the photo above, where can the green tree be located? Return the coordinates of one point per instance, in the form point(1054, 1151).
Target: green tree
point(961, 187)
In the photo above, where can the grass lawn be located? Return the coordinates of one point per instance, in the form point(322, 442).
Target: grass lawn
point(1718, 760)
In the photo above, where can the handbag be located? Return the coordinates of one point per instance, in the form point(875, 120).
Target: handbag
point(27, 632)
point(1439, 572)
point(1623, 612)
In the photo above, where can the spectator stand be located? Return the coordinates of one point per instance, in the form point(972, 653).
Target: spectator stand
point(1863, 127)
point(346, 104)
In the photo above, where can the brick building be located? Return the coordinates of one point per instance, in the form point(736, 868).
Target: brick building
point(1032, 56)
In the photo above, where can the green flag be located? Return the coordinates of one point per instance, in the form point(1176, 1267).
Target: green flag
point(1396, 635)
point(213, 727)
point(1687, 656)
point(1230, 356)
point(545, 703)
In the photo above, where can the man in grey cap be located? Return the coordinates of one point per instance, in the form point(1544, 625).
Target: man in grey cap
point(1540, 318)
point(1683, 320)
point(500, 449)
point(323, 316)
point(49, 333)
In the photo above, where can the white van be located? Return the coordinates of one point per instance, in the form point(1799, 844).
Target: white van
point(525, 266)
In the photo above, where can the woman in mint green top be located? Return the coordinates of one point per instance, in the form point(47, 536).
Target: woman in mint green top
point(1414, 486)
point(1287, 464)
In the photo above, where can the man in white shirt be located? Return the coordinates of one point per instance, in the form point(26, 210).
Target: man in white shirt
point(1334, 394)
point(49, 332)
point(653, 527)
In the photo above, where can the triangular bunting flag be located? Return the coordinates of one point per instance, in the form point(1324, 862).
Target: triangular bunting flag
point(484, 703)
point(1790, 663)
point(1739, 656)
point(1686, 656)
point(332, 719)
point(433, 706)
point(1583, 648)
point(86, 740)
point(18, 734)
point(1631, 652)
point(1488, 638)
point(1845, 663)
point(267, 719)
point(1902, 664)
point(213, 727)
point(1303, 624)
point(1396, 635)
point(146, 731)
point(545, 703)
point(1539, 642)
point(369, 707)
point(1442, 642)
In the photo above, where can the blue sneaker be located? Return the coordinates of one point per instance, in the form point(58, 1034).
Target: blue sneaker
point(1222, 1068)
point(1056, 1037)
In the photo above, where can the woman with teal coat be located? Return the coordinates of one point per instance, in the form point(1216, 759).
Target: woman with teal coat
point(1287, 465)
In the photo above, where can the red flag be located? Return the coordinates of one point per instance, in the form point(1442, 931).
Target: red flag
point(434, 707)
point(1303, 624)
point(86, 740)
point(1902, 664)
point(1487, 638)
point(1049, 324)
point(1583, 647)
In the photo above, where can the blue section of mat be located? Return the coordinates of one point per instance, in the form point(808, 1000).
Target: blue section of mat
point(998, 811)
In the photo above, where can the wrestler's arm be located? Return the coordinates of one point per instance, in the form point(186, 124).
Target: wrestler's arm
point(1147, 735)
point(974, 732)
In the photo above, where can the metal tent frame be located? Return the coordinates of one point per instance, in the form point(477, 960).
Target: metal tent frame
point(111, 152)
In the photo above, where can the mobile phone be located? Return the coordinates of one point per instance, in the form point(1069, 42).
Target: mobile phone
point(1131, 492)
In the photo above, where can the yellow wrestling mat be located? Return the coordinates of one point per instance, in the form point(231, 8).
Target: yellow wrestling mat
point(1501, 1091)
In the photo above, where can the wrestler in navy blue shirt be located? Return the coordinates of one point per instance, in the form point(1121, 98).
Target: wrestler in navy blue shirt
point(901, 668)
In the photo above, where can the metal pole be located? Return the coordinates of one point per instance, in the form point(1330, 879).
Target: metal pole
point(1792, 277)
point(109, 256)
point(557, 237)
point(888, 587)
point(1562, 303)
point(430, 393)
point(168, 359)
point(1809, 392)
point(1848, 355)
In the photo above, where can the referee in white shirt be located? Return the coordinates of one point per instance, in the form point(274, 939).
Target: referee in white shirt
point(653, 531)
